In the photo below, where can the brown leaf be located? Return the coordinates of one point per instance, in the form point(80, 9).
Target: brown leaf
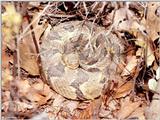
point(6, 77)
point(138, 113)
point(37, 92)
point(5, 58)
point(71, 105)
point(84, 113)
point(24, 86)
point(124, 90)
point(127, 108)
point(123, 19)
point(28, 53)
point(153, 20)
point(150, 56)
point(58, 103)
point(132, 63)
point(43, 90)
point(28, 92)
point(38, 28)
point(139, 52)
point(28, 56)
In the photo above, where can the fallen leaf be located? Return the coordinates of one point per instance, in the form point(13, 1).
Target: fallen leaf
point(57, 103)
point(46, 32)
point(6, 77)
point(127, 107)
point(158, 73)
point(152, 84)
point(28, 53)
point(39, 28)
point(140, 42)
point(22, 106)
point(43, 90)
point(130, 66)
point(34, 4)
point(38, 95)
point(41, 116)
point(138, 113)
point(5, 96)
point(23, 86)
point(123, 19)
point(124, 90)
point(105, 113)
point(84, 113)
point(120, 15)
point(28, 56)
point(5, 58)
point(150, 56)
point(139, 52)
point(152, 21)
point(11, 18)
point(71, 105)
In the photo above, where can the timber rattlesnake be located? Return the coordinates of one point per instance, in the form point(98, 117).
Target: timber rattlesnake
point(78, 58)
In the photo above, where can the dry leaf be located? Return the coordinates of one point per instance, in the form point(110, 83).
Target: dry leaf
point(127, 108)
point(150, 56)
point(28, 56)
point(152, 112)
point(124, 90)
point(123, 17)
point(120, 15)
point(139, 52)
point(34, 96)
point(153, 21)
point(152, 84)
point(41, 116)
point(5, 58)
point(46, 32)
point(6, 77)
point(58, 103)
point(105, 113)
point(138, 29)
point(130, 66)
point(39, 28)
point(12, 21)
point(84, 113)
point(34, 4)
point(38, 93)
point(22, 106)
point(24, 86)
point(5, 96)
point(158, 73)
point(138, 113)
point(43, 90)
point(71, 105)
point(140, 42)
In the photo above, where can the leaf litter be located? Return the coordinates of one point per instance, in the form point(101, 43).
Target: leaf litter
point(26, 94)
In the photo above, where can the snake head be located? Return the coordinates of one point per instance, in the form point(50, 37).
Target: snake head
point(71, 60)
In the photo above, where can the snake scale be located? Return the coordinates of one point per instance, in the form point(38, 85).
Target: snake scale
point(78, 58)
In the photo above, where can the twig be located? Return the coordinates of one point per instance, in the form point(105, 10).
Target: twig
point(76, 4)
point(86, 10)
point(94, 5)
point(37, 51)
point(60, 15)
point(28, 27)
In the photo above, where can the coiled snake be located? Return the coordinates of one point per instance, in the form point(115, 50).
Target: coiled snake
point(78, 58)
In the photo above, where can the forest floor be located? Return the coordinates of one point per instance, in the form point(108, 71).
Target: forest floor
point(25, 93)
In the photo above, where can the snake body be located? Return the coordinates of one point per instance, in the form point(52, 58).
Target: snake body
point(78, 58)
